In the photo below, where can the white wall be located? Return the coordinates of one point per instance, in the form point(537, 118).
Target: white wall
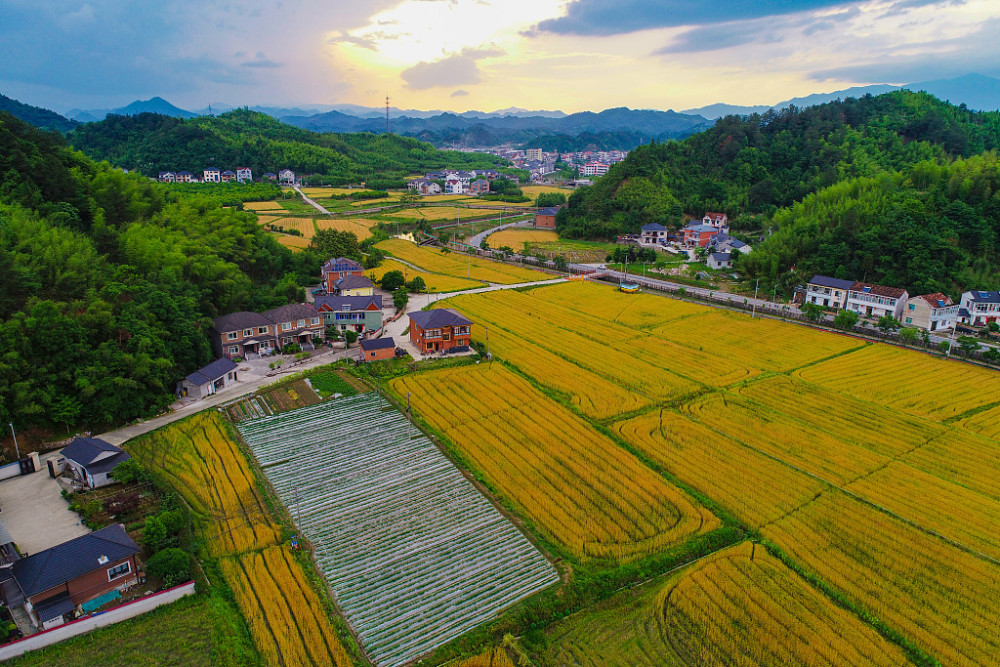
point(85, 625)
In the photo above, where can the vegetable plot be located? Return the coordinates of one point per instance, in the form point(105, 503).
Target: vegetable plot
point(414, 554)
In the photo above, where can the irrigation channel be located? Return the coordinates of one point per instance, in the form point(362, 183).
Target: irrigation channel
point(415, 555)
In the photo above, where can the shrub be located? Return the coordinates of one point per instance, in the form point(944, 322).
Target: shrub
point(291, 348)
point(130, 471)
point(392, 280)
point(171, 566)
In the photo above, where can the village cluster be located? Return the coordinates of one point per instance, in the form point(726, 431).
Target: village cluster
point(213, 175)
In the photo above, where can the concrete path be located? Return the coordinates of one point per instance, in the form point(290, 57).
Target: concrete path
point(310, 201)
point(477, 240)
point(321, 357)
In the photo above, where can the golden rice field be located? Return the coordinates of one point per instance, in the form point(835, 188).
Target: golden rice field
point(639, 311)
point(361, 227)
point(575, 485)
point(304, 225)
point(516, 237)
point(916, 383)
point(534, 190)
point(985, 423)
point(460, 266)
point(286, 617)
point(202, 463)
point(942, 598)
point(441, 213)
point(741, 606)
point(435, 282)
point(494, 657)
point(295, 243)
point(263, 206)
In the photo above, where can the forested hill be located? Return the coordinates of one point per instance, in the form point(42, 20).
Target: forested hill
point(151, 143)
point(109, 280)
point(751, 167)
point(37, 116)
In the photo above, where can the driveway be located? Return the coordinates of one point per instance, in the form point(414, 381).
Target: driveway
point(35, 513)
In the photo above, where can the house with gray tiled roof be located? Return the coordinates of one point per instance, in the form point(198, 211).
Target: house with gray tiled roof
point(206, 381)
point(92, 460)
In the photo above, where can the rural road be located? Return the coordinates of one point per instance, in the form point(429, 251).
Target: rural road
point(477, 240)
point(310, 201)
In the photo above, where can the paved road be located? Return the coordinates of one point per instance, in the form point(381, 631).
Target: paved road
point(320, 357)
point(477, 240)
point(310, 201)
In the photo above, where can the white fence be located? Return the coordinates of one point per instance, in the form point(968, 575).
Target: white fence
point(10, 470)
point(95, 621)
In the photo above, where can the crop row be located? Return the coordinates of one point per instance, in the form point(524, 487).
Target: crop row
point(414, 554)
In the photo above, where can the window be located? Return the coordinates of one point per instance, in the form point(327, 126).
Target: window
point(262, 330)
point(248, 332)
point(912, 306)
point(233, 349)
point(232, 335)
point(119, 570)
point(909, 320)
point(314, 320)
point(301, 323)
point(286, 326)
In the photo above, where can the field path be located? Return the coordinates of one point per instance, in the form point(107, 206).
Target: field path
point(311, 202)
point(477, 240)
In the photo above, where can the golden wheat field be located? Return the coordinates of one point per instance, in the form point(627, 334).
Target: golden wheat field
point(200, 460)
point(442, 213)
point(460, 266)
point(305, 226)
point(360, 227)
point(515, 237)
point(435, 282)
point(576, 486)
point(295, 243)
point(263, 206)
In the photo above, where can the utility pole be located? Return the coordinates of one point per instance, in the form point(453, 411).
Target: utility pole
point(754, 313)
point(14, 435)
point(951, 341)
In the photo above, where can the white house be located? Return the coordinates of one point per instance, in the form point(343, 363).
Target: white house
point(167, 177)
point(286, 177)
point(92, 460)
point(979, 308)
point(422, 186)
point(208, 380)
point(720, 260)
point(718, 220)
point(595, 169)
point(828, 292)
point(726, 243)
point(455, 186)
point(243, 174)
point(874, 301)
point(183, 176)
point(653, 233)
point(211, 175)
point(931, 312)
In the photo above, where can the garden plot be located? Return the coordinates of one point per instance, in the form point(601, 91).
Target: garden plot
point(414, 554)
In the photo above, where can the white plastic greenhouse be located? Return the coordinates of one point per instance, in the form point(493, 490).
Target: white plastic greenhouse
point(414, 553)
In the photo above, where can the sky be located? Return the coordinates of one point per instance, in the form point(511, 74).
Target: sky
point(570, 55)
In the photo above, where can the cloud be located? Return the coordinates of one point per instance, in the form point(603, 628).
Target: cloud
point(977, 52)
point(600, 17)
point(456, 70)
point(264, 63)
point(714, 38)
point(460, 93)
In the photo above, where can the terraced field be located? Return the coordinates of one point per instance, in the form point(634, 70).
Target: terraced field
point(414, 554)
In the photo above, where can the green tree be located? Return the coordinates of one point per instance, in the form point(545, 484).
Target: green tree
point(968, 344)
point(400, 298)
point(171, 566)
point(910, 335)
point(547, 199)
point(130, 471)
point(846, 320)
point(888, 324)
point(392, 280)
point(330, 243)
point(351, 336)
point(813, 311)
point(417, 285)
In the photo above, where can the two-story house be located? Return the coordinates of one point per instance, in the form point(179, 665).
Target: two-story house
point(286, 177)
point(244, 174)
point(54, 583)
point(358, 313)
point(296, 323)
point(828, 292)
point(211, 175)
point(354, 286)
point(439, 330)
point(875, 301)
point(718, 220)
point(979, 308)
point(243, 334)
point(167, 177)
point(335, 269)
point(424, 187)
point(228, 176)
point(546, 217)
point(930, 312)
point(653, 233)
point(698, 234)
point(480, 186)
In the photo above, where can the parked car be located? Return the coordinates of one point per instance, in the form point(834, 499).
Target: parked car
point(319, 292)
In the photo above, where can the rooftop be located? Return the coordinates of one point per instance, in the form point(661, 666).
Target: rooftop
point(936, 300)
point(95, 455)
point(353, 282)
point(980, 296)
point(439, 317)
point(878, 290)
point(290, 313)
point(241, 320)
point(64, 562)
point(826, 281)
point(378, 344)
point(212, 372)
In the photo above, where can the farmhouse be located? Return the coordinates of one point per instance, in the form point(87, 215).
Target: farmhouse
point(244, 174)
point(696, 234)
point(296, 324)
point(718, 220)
point(167, 177)
point(92, 569)
point(335, 269)
point(242, 334)
point(828, 292)
point(211, 175)
point(378, 349)
point(876, 300)
point(208, 380)
point(183, 177)
point(546, 217)
point(720, 260)
point(423, 186)
point(653, 233)
point(726, 243)
point(440, 330)
point(228, 176)
point(270, 176)
point(979, 308)
point(931, 312)
point(286, 177)
point(359, 313)
point(480, 186)
point(92, 460)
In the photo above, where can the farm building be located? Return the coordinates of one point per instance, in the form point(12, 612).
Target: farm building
point(546, 217)
point(208, 380)
point(243, 333)
point(439, 330)
point(720, 260)
point(84, 573)
point(92, 460)
point(378, 349)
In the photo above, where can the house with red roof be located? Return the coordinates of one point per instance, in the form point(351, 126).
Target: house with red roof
point(930, 312)
point(875, 301)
